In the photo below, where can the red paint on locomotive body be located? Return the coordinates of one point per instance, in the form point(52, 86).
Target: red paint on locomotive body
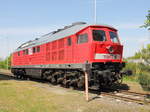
point(94, 43)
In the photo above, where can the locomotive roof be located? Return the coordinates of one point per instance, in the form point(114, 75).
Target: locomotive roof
point(60, 33)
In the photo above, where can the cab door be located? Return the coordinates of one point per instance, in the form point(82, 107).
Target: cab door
point(82, 47)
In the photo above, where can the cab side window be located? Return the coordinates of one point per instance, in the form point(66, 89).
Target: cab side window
point(83, 38)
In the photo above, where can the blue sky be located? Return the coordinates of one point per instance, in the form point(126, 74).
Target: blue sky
point(23, 20)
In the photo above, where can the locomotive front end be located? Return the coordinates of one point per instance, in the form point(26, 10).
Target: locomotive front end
point(107, 53)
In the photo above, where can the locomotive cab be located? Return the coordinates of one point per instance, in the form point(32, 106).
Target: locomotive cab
point(107, 45)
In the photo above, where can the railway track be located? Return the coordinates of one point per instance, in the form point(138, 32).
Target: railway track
point(129, 96)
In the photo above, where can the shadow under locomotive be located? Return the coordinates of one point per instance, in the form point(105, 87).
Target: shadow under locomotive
point(5, 77)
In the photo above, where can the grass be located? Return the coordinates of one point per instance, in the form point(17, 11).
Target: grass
point(30, 96)
point(25, 98)
point(130, 78)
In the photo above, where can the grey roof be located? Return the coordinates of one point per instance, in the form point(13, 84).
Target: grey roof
point(60, 33)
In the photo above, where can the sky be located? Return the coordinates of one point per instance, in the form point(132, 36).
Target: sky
point(23, 20)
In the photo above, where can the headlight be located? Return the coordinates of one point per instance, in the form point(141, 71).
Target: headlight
point(110, 49)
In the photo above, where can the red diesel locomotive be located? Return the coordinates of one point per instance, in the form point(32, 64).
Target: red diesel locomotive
point(62, 56)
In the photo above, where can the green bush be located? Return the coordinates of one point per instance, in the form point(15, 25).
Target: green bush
point(144, 80)
point(4, 64)
point(136, 68)
point(141, 71)
point(141, 74)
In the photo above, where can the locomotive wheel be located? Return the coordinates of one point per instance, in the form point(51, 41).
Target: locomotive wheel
point(21, 75)
point(66, 83)
point(45, 75)
point(18, 76)
point(80, 83)
point(54, 81)
point(73, 83)
point(119, 81)
point(49, 78)
point(60, 80)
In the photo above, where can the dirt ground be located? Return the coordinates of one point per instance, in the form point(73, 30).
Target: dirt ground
point(37, 96)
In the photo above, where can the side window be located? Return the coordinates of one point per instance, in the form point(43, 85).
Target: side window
point(83, 38)
point(26, 51)
point(99, 35)
point(19, 53)
point(69, 42)
point(34, 49)
point(38, 49)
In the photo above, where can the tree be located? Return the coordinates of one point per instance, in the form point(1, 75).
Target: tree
point(4, 64)
point(143, 54)
point(147, 21)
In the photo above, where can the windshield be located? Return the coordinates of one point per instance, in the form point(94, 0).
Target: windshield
point(99, 35)
point(114, 37)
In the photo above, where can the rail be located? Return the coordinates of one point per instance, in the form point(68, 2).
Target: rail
point(130, 96)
